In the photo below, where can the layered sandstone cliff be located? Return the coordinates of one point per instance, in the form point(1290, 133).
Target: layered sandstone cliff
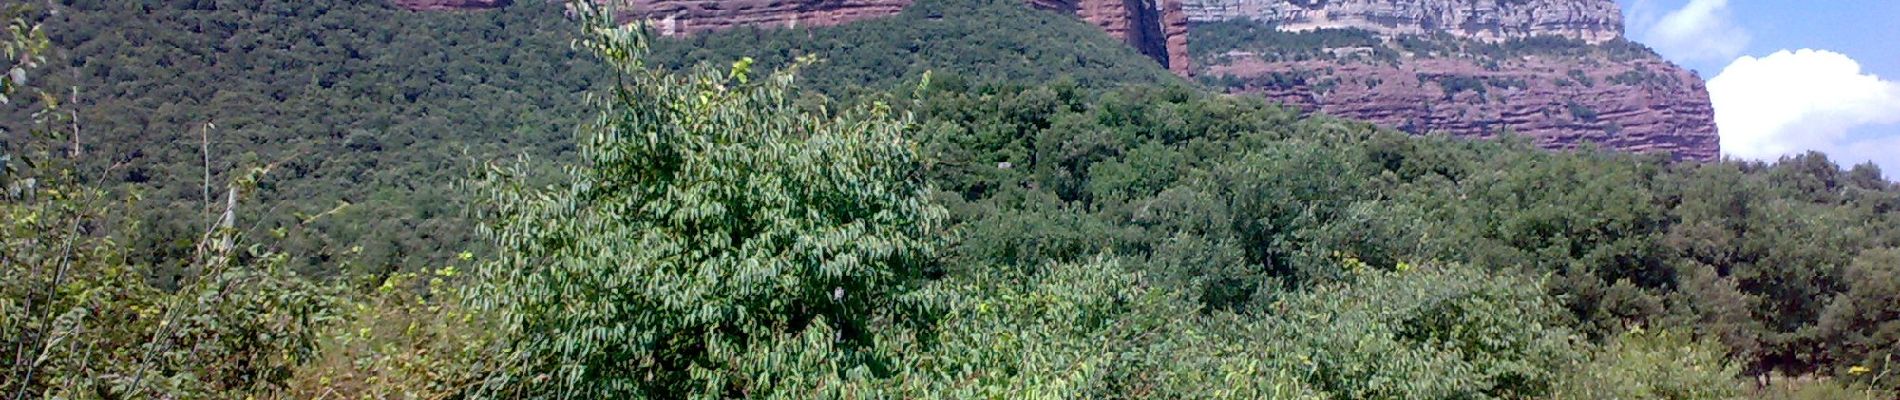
point(1156, 28)
point(1600, 90)
point(1640, 105)
point(1594, 21)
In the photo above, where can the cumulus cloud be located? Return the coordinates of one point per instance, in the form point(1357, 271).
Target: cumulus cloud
point(1794, 101)
point(1702, 30)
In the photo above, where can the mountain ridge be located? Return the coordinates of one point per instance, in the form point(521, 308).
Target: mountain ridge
point(1411, 71)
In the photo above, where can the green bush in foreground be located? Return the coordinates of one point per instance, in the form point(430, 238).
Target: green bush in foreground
point(714, 241)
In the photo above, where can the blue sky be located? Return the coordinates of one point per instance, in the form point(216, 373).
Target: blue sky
point(1788, 76)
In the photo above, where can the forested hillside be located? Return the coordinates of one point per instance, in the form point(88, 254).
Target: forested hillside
point(723, 231)
point(368, 114)
point(975, 40)
point(365, 112)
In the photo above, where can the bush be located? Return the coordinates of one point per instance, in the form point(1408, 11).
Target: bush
point(715, 240)
point(1653, 365)
point(1862, 325)
point(1421, 332)
point(408, 338)
point(1084, 330)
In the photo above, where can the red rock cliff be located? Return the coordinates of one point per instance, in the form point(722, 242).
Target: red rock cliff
point(1639, 105)
point(1613, 96)
point(1157, 28)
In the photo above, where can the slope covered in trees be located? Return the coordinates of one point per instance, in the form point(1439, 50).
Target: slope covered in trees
point(353, 103)
point(1238, 203)
point(716, 233)
point(369, 113)
point(977, 40)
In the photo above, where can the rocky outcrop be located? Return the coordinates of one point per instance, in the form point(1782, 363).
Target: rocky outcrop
point(447, 5)
point(1608, 92)
point(1639, 105)
point(1157, 28)
point(1174, 22)
point(1594, 21)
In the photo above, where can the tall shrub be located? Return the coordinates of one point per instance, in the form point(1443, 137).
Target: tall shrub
point(712, 241)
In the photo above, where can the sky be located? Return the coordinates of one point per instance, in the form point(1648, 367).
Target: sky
point(1788, 76)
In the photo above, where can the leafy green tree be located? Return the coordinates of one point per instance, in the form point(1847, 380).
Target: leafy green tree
point(1862, 324)
point(714, 241)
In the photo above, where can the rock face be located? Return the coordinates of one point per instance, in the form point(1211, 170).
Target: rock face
point(1157, 28)
point(446, 5)
point(1640, 105)
point(1604, 90)
point(1594, 21)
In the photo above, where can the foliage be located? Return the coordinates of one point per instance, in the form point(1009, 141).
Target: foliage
point(24, 49)
point(1213, 41)
point(1861, 325)
point(1813, 389)
point(408, 338)
point(1654, 365)
point(1091, 329)
point(714, 239)
point(978, 41)
point(366, 111)
point(1236, 201)
point(719, 233)
point(369, 110)
point(1422, 332)
point(1581, 112)
point(79, 318)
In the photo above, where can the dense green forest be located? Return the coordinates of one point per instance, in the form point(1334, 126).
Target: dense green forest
point(368, 113)
point(974, 40)
point(364, 112)
point(722, 230)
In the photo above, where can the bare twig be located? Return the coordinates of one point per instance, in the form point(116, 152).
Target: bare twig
point(75, 121)
point(204, 148)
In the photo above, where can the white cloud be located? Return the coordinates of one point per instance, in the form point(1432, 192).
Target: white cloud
point(1702, 30)
point(1791, 102)
point(1641, 15)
